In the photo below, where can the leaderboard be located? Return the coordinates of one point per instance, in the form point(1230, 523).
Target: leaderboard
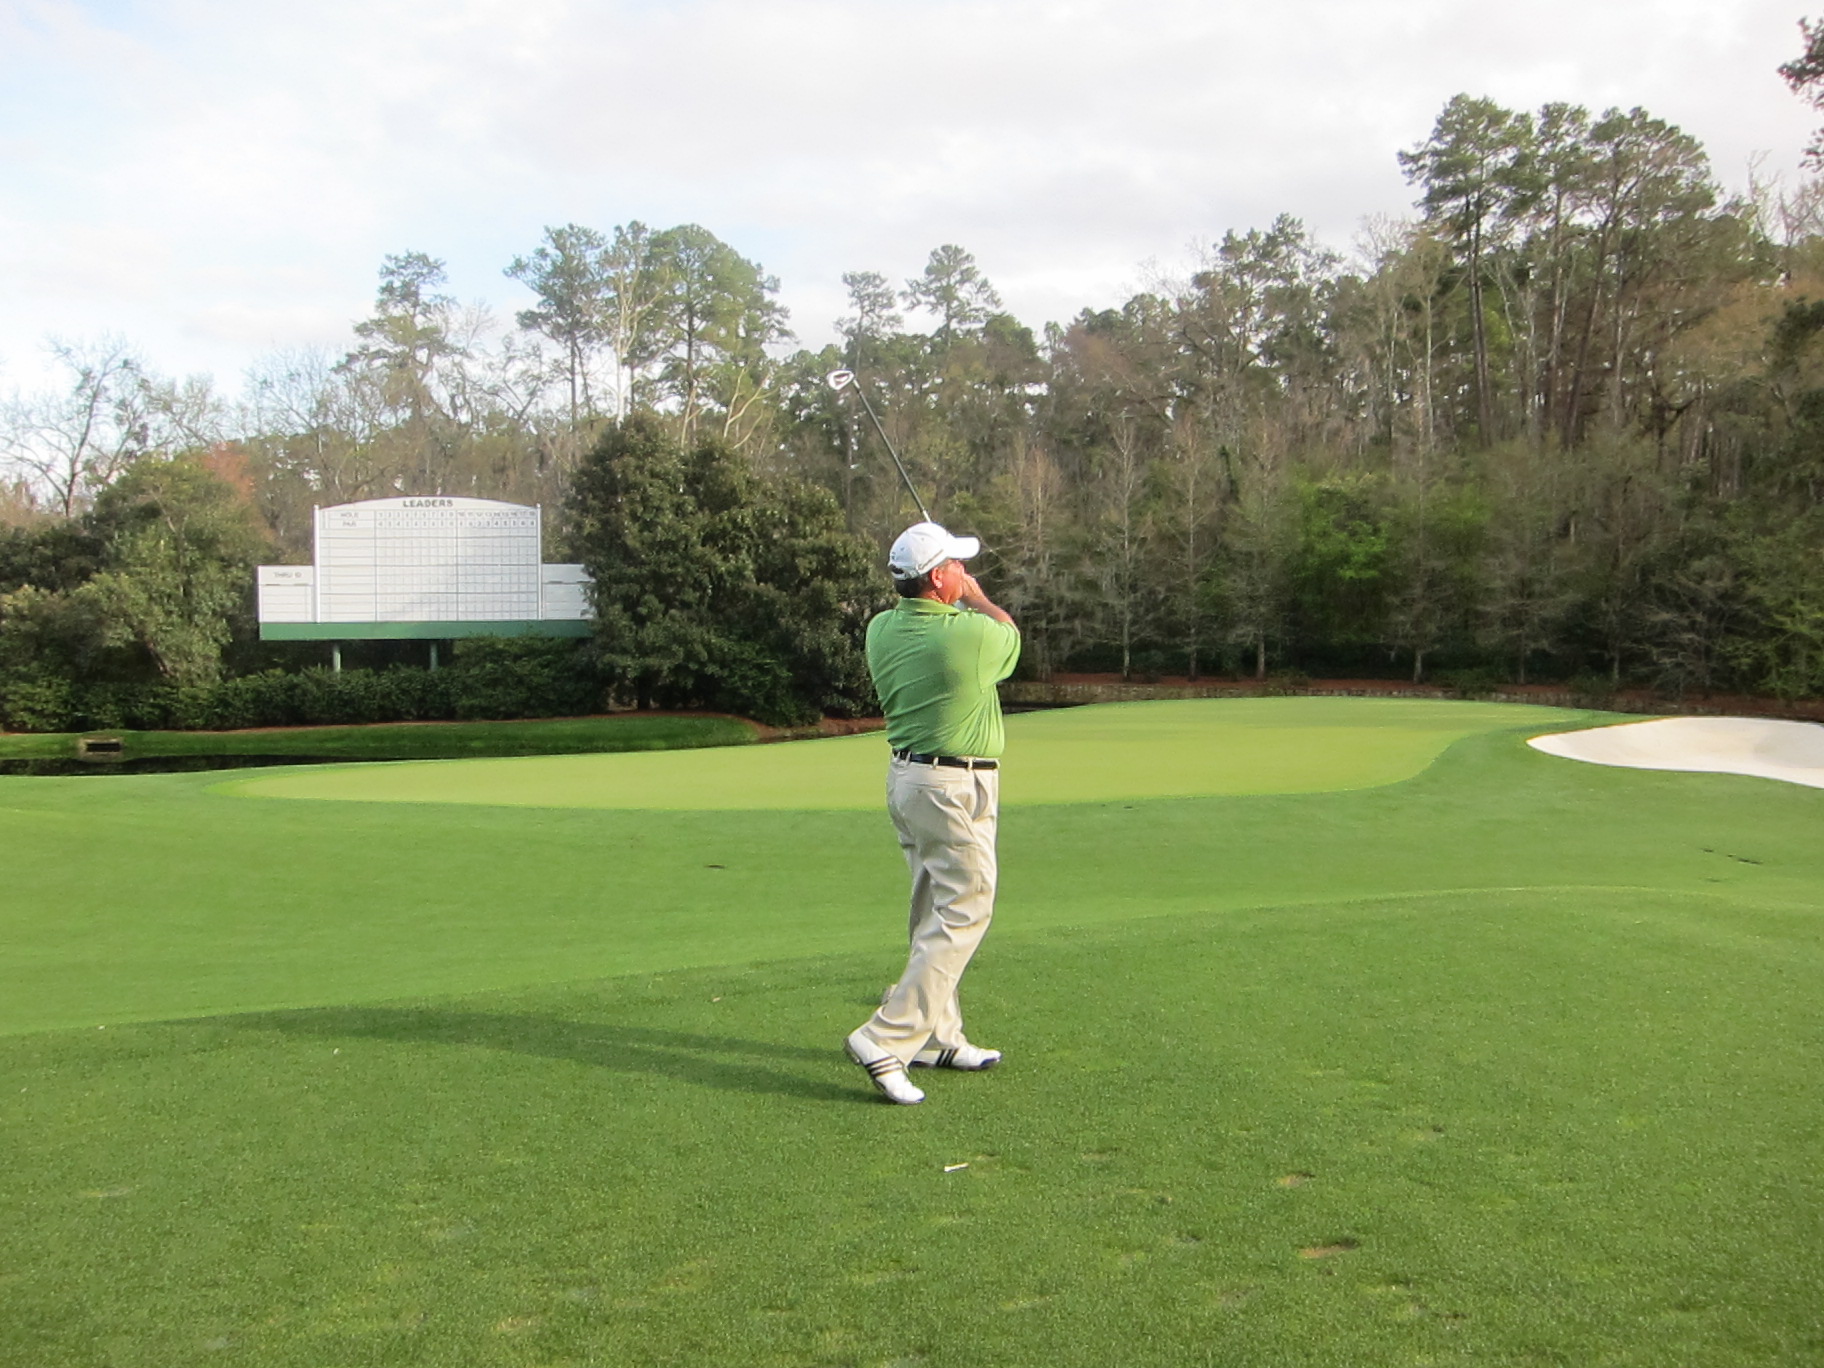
point(428, 560)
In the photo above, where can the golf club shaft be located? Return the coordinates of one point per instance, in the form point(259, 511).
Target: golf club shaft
point(900, 465)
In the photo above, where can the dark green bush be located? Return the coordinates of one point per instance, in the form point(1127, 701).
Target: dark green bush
point(1476, 681)
point(497, 677)
point(1282, 682)
point(129, 707)
point(32, 704)
point(1593, 690)
point(489, 679)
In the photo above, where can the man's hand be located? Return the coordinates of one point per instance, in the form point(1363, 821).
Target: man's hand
point(976, 601)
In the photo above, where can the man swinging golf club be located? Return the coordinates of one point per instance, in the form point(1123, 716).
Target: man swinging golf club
point(936, 657)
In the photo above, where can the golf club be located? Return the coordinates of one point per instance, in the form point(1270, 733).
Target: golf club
point(840, 380)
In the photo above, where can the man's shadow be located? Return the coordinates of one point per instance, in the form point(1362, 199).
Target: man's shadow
point(726, 1062)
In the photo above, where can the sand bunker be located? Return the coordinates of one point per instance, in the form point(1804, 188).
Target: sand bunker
point(1789, 751)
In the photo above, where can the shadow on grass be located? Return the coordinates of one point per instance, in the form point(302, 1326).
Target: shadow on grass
point(726, 1062)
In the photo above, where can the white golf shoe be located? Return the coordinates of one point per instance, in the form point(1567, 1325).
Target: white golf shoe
point(956, 1057)
point(888, 1073)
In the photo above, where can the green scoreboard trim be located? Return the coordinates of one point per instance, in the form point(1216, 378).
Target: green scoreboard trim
point(420, 631)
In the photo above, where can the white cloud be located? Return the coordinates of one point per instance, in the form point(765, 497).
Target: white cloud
point(212, 178)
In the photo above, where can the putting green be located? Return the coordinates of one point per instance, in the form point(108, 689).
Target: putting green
point(1187, 749)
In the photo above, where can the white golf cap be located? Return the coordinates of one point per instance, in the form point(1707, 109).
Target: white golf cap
point(924, 546)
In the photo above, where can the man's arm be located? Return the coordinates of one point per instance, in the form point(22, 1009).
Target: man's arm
point(976, 601)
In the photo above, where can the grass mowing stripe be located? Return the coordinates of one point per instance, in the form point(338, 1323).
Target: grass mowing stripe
point(1503, 1129)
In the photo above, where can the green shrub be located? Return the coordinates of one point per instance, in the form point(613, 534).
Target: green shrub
point(489, 679)
point(506, 677)
point(1592, 690)
point(402, 693)
point(750, 680)
point(1150, 665)
point(1477, 681)
point(258, 700)
point(1282, 682)
point(31, 704)
point(132, 707)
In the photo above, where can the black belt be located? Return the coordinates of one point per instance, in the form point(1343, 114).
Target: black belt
point(953, 761)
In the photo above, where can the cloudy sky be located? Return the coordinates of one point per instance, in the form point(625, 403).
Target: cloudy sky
point(216, 179)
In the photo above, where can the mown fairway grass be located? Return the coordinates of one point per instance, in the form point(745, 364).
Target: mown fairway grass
point(1510, 1061)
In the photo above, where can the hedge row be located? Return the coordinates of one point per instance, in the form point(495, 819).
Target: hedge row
point(489, 679)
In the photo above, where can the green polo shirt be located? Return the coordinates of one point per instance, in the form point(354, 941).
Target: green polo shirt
point(935, 667)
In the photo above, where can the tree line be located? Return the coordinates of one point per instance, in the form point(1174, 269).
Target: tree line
point(1566, 422)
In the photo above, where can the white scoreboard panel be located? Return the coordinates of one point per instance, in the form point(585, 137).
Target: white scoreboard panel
point(566, 594)
point(426, 568)
point(288, 593)
point(428, 560)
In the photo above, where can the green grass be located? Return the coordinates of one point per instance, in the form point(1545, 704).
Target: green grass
point(1120, 751)
point(412, 740)
point(1510, 1062)
point(37, 745)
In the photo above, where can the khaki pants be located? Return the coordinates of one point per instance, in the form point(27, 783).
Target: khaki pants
point(946, 819)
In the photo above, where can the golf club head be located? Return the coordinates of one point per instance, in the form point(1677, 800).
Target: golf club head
point(839, 379)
